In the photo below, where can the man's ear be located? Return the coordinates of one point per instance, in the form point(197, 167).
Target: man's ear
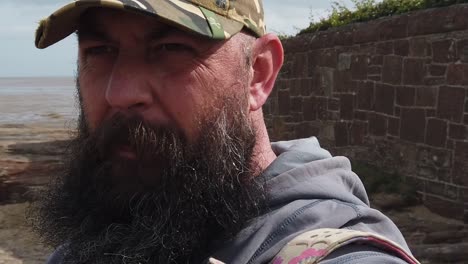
point(267, 59)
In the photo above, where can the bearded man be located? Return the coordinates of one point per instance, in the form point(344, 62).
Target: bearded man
point(172, 162)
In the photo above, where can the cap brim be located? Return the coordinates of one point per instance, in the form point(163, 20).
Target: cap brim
point(179, 13)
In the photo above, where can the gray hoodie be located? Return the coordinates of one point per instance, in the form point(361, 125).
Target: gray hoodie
point(309, 189)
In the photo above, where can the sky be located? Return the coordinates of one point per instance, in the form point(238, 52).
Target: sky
point(19, 18)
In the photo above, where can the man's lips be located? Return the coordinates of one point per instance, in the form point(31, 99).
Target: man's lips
point(126, 152)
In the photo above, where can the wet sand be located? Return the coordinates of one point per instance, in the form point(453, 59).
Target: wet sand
point(29, 156)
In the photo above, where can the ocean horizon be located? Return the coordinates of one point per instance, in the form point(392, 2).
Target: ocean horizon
point(32, 100)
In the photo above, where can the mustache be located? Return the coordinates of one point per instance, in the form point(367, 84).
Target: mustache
point(134, 133)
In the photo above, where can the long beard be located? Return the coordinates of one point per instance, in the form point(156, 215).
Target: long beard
point(174, 203)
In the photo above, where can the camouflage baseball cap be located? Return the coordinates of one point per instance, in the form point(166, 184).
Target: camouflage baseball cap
point(217, 19)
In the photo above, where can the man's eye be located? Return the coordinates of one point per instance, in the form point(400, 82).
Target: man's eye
point(100, 50)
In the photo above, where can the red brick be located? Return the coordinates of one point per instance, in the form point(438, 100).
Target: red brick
point(434, 81)
point(431, 112)
point(306, 86)
point(405, 96)
point(402, 47)
point(395, 28)
point(333, 104)
point(413, 125)
point(305, 130)
point(457, 74)
point(341, 134)
point(450, 144)
point(313, 62)
point(299, 65)
point(359, 67)
point(451, 103)
point(426, 96)
point(376, 60)
point(413, 71)
point(328, 58)
point(437, 70)
point(309, 109)
point(462, 50)
point(296, 104)
point(357, 132)
point(423, 22)
point(295, 87)
point(392, 69)
point(385, 48)
point(384, 98)
point(343, 38)
point(347, 106)
point(460, 166)
point(361, 115)
point(443, 51)
point(394, 126)
point(436, 132)
point(397, 111)
point(377, 124)
point(368, 48)
point(283, 102)
point(365, 95)
point(374, 70)
point(326, 78)
point(419, 47)
point(333, 116)
point(342, 81)
point(366, 32)
point(322, 103)
point(459, 132)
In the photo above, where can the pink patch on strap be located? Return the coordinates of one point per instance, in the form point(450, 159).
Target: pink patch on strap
point(278, 260)
point(311, 252)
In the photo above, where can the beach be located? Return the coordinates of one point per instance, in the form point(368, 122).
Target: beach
point(37, 118)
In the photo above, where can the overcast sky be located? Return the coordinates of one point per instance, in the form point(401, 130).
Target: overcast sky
point(18, 21)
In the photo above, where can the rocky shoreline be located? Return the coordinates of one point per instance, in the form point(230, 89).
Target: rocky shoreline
point(31, 154)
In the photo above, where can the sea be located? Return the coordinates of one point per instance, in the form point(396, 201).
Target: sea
point(37, 100)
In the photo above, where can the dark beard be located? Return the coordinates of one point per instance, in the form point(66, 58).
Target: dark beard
point(175, 203)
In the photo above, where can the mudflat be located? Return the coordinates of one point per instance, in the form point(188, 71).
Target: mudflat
point(37, 118)
point(30, 155)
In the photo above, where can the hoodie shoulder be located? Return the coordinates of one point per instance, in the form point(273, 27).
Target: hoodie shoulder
point(57, 256)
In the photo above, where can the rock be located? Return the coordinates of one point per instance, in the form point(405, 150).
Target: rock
point(446, 236)
point(447, 253)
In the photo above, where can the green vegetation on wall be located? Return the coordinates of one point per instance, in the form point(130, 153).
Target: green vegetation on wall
point(377, 181)
point(366, 10)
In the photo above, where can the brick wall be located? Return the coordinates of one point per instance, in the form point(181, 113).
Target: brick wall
point(392, 92)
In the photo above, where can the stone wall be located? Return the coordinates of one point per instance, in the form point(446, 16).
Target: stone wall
point(392, 92)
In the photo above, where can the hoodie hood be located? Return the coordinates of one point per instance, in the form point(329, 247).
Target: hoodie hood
point(308, 189)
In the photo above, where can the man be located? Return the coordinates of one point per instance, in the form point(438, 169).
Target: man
point(172, 162)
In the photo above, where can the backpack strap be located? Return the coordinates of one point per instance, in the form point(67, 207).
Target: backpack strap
point(313, 246)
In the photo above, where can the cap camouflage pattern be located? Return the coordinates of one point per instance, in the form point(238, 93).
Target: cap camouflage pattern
point(217, 19)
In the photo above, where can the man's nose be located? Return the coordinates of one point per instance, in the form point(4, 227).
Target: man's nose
point(129, 87)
